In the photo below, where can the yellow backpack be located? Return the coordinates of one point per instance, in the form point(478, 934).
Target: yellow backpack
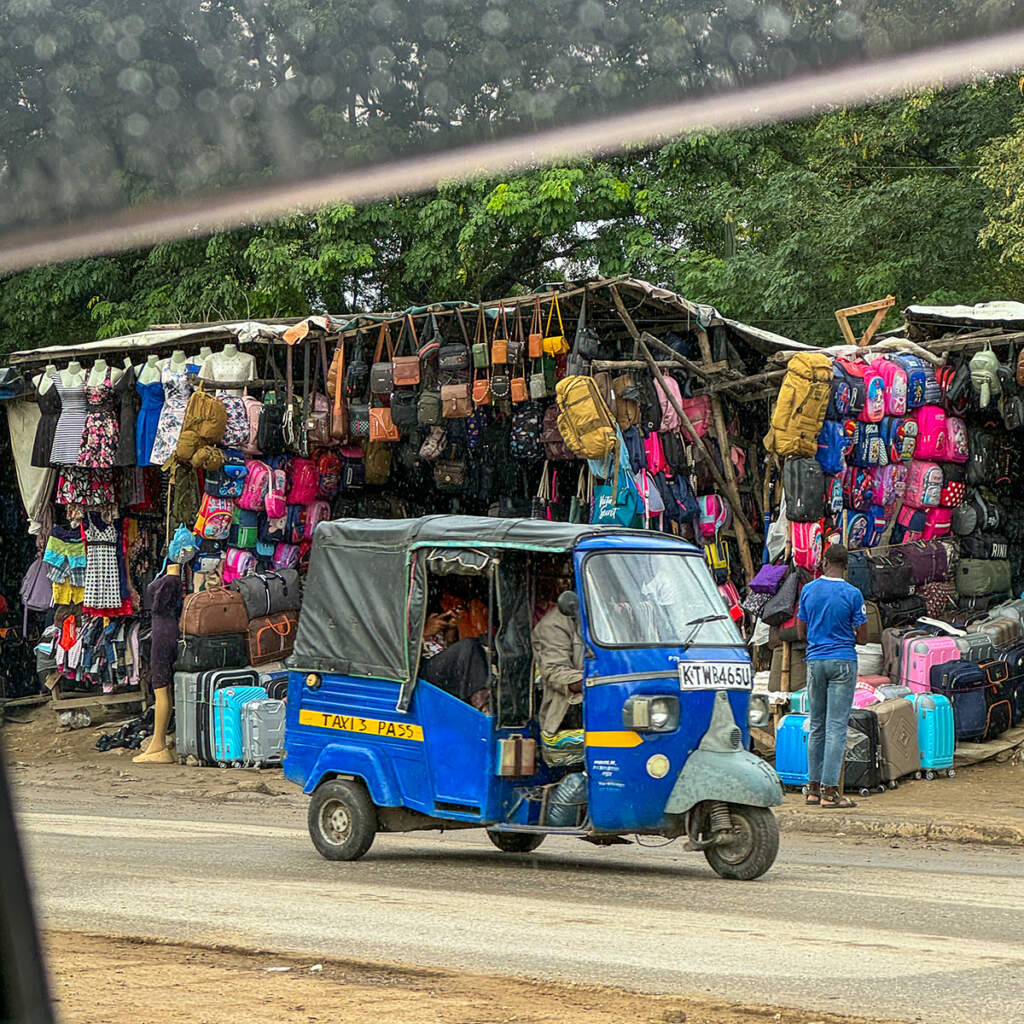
point(584, 421)
point(801, 406)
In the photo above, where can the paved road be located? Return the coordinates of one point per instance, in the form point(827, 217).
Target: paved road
point(915, 932)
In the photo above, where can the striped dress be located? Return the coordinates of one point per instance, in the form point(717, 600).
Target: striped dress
point(67, 439)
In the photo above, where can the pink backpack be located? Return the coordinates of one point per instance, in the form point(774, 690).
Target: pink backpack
point(908, 521)
point(237, 563)
point(931, 432)
point(286, 556)
point(957, 449)
point(924, 484)
point(275, 504)
point(305, 482)
point(257, 483)
point(654, 453)
point(807, 545)
point(937, 523)
point(894, 377)
point(253, 410)
point(874, 395)
point(669, 417)
point(715, 515)
point(698, 411)
point(316, 513)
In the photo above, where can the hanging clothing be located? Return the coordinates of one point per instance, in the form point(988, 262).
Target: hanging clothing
point(65, 563)
point(67, 438)
point(100, 433)
point(126, 402)
point(163, 596)
point(152, 397)
point(105, 590)
point(49, 414)
point(91, 488)
point(178, 387)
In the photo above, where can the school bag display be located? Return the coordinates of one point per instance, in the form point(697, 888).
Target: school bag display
point(924, 485)
point(899, 435)
point(894, 379)
point(801, 405)
point(866, 445)
point(808, 540)
point(957, 448)
point(931, 432)
point(804, 486)
point(833, 444)
point(874, 395)
point(839, 395)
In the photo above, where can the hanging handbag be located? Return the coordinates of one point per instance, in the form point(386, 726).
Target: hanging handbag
point(499, 346)
point(450, 474)
point(555, 345)
point(540, 506)
point(617, 503)
point(357, 373)
point(406, 369)
point(430, 342)
point(359, 420)
point(319, 419)
point(456, 402)
point(481, 359)
point(434, 445)
point(428, 407)
point(768, 579)
point(382, 372)
point(782, 603)
point(405, 409)
point(535, 340)
point(579, 505)
point(538, 382)
point(481, 389)
point(501, 386)
point(382, 426)
point(339, 414)
point(586, 343)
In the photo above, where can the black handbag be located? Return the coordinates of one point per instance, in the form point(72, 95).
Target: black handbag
point(205, 653)
point(780, 606)
point(270, 433)
point(450, 475)
point(586, 343)
point(357, 372)
point(404, 408)
point(359, 420)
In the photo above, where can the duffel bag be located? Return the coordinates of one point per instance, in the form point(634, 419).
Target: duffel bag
point(215, 611)
point(266, 593)
point(978, 576)
point(891, 577)
point(272, 637)
point(985, 545)
point(928, 561)
point(902, 610)
point(206, 653)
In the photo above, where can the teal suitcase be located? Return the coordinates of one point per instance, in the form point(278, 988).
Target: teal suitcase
point(228, 745)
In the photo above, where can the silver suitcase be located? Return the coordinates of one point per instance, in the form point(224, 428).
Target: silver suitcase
point(1009, 609)
point(186, 739)
point(976, 647)
point(263, 732)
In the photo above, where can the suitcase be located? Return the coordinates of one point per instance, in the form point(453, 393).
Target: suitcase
point(897, 732)
point(791, 749)
point(873, 626)
point(862, 760)
point(227, 721)
point(517, 757)
point(275, 683)
point(208, 653)
point(869, 659)
point(193, 708)
point(1003, 630)
point(263, 731)
point(936, 737)
point(1010, 609)
point(893, 642)
point(920, 653)
point(1014, 684)
point(981, 710)
point(798, 702)
point(976, 647)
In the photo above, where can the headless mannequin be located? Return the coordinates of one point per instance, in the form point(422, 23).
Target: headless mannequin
point(229, 365)
point(149, 372)
point(44, 381)
point(73, 375)
point(157, 751)
point(177, 362)
point(204, 353)
point(98, 373)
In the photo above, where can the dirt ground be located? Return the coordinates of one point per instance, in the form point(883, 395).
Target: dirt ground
point(99, 980)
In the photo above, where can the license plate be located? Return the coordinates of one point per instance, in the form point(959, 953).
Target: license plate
point(715, 675)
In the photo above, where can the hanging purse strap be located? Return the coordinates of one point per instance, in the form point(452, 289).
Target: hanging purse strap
point(552, 310)
point(339, 376)
point(462, 327)
point(382, 337)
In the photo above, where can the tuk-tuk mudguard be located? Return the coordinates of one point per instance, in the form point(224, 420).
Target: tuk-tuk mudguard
point(368, 765)
point(737, 777)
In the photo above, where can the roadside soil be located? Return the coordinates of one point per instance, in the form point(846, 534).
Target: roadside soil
point(981, 804)
point(98, 980)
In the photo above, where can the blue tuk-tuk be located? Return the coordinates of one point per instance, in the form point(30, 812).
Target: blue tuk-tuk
point(666, 697)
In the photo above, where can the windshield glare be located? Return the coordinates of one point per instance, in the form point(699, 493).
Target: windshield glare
point(639, 599)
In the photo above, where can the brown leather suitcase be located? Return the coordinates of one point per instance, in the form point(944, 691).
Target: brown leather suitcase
point(517, 757)
point(213, 612)
point(272, 637)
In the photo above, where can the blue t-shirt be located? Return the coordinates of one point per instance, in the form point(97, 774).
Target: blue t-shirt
point(832, 610)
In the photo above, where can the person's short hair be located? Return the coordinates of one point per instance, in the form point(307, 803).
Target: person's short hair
point(836, 554)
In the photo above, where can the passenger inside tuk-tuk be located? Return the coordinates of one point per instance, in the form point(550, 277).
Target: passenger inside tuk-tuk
point(453, 653)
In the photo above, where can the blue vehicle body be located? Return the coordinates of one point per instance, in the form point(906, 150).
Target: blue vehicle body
point(438, 757)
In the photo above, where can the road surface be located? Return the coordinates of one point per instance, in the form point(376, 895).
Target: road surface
point(908, 932)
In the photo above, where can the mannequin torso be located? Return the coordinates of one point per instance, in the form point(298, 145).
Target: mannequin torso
point(73, 375)
point(44, 381)
point(99, 371)
point(229, 365)
point(149, 372)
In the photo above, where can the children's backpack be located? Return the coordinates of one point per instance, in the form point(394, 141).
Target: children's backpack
point(924, 484)
point(852, 373)
point(698, 411)
point(584, 420)
point(654, 454)
point(931, 432)
point(899, 434)
point(244, 531)
point(715, 515)
point(918, 374)
point(275, 503)
point(833, 444)
point(716, 554)
point(874, 395)
point(858, 488)
point(304, 482)
point(804, 484)
point(839, 395)
point(669, 417)
point(894, 378)
point(954, 485)
point(214, 519)
point(524, 441)
point(236, 564)
point(834, 496)
point(909, 526)
point(857, 528)
point(316, 513)
point(257, 483)
point(879, 524)
point(800, 409)
point(957, 447)
point(866, 447)
point(328, 469)
point(635, 449)
point(253, 410)
point(937, 523)
point(985, 376)
point(286, 556)
point(807, 545)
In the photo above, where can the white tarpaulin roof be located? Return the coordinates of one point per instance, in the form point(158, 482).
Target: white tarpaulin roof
point(1003, 313)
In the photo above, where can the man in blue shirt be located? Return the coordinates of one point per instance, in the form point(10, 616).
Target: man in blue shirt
point(831, 618)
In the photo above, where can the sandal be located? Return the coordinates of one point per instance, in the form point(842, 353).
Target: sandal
point(812, 798)
point(836, 800)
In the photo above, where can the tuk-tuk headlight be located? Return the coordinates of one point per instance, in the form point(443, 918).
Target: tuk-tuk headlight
point(758, 711)
point(655, 714)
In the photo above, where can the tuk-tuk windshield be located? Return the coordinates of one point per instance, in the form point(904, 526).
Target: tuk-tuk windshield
point(640, 598)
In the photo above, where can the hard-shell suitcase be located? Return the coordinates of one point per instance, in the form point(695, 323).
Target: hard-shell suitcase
point(976, 647)
point(227, 721)
point(920, 653)
point(791, 749)
point(936, 737)
point(193, 708)
point(263, 732)
point(275, 683)
point(897, 730)
point(981, 710)
point(1004, 630)
point(862, 759)
point(1014, 683)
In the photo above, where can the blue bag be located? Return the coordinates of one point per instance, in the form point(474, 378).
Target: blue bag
point(832, 446)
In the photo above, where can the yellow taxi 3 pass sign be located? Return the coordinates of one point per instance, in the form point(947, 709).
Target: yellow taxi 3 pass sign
point(362, 726)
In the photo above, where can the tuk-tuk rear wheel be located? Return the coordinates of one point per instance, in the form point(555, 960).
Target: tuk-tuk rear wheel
point(342, 820)
point(752, 848)
point(515, 842)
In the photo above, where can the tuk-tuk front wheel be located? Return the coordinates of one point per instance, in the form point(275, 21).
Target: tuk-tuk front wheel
point(515, 842)
point(752, 846)
point(342, 820)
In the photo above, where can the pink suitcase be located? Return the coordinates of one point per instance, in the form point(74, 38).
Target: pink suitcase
point(866, 692)
point(920, 653)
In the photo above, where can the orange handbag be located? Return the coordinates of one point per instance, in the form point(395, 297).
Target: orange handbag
point(339, 414)
point(499, 346)
point(382, 427)
point(535, 340)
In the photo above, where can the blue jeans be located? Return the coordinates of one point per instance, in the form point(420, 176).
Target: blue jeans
point(830, 686)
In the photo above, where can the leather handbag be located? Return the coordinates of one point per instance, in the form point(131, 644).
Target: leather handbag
point(538, 384)
point(501, 387)
point(518, 391)
point(781, 604)
point(456, 402)
point(218, 610)
point(555, 344)
point(428, 407)
point(481, 389)
point(359, 420)
point(481, 357)
point(266, 593)
point(499, 346)
point(406, 372)
point(272, 637)
point(586, 344)
point(450, 475)
point(535, 340)
point(382, 372)
point(320, 415)
point(382, 426)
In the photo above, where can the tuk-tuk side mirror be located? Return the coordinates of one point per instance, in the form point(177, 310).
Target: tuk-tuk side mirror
point(569, 604)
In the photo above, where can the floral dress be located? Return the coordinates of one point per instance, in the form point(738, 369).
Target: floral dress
point(178, 388)
point(102, 427)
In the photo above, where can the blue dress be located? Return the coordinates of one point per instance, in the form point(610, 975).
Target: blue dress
point(152, 396)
